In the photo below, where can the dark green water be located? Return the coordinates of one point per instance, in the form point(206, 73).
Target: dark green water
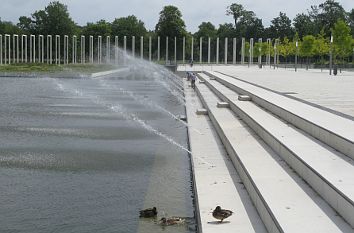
point(68, 163)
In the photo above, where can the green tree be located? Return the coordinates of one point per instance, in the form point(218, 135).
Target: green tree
point(281, 27)
point(8, 28)
point(351, 20)
point(246, 23)
point(286, 48)
point(321, 46)
point(260, 49)
point(247, 49)
point(100, 28)
point(237, 11)
point(225, 30)
point(342, 40)
point(304, 25)
point(27, 25)
point(53, 20)
point(307, 48)
point(329, 13)
point(206, 30)
point(172, 25)
point(128, 26)
point(353, 50)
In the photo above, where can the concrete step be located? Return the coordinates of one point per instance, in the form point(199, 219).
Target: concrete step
point(336, 131)
point(327, 171)
point(216, 181)
point(283, 200)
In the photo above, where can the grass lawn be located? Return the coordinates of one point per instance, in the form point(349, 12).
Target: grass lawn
point(47, 68)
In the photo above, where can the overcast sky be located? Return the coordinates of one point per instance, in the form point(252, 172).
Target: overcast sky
point(194, 11)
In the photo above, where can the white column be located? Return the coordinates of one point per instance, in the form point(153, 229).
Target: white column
point(133, 46)
point(234, 51)
point(251, 51)
point(268, 55)
point(91, 48)
point(13, 49)
point(74, 49)
point(184, 50)
point(141, 47)
point(99, 50)
point(149, 48)
point(0, 49)
point(7, 56)
point(57, 49)
point(23, 38)
point(278, 42)
point(243, 51)
point(217, 50)
point(16, 54)
point(166, 58)
point(108, 49)
point(175, 51)
point(17, 49)
point(30, 48)
point(225, 50)
point(200, 50)
point(192, 49)
point(33, 48)
point(158, 48)
point(82, 51)
point(208, 50)
point(260, 50)
point(125, 49)
point(275, 53)
point(66, 49)
point(116, 46)
point(49, 49)
point(40, 48)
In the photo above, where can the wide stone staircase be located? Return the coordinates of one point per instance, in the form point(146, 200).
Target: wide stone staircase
point(295, 160)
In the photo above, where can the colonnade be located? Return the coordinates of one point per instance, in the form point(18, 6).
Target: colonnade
point(15, 49)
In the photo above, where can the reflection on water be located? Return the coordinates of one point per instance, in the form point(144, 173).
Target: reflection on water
point(70, 164)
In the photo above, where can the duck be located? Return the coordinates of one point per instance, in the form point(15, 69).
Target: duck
point(172, 221)
point(148, 213)
point(221, 214)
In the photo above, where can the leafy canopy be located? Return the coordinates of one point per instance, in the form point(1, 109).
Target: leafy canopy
point(171, 23)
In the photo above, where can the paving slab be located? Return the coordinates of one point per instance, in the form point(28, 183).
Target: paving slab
point(335, 169)
point(330, 92)
point(313, 120)
point(313, 86)
point(292, 205)
point(216, 180)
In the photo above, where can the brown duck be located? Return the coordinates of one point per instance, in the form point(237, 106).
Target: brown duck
point(148, 213)
point(221, 214)
point(172, 221)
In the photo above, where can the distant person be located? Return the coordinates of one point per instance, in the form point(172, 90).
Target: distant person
point(191, 62)
point(188, 75)
point(193, 78)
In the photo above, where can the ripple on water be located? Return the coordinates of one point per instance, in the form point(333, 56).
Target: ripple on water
point(70, 164)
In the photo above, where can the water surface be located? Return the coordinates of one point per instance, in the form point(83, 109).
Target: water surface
point(75, 155)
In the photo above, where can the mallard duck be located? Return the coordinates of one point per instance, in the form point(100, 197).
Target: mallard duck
point(221, 214)
point(171, 221)
point(148, 213)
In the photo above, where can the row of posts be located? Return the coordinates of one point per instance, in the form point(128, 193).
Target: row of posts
point(13, 53)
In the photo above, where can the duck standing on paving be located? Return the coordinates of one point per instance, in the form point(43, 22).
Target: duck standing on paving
point(221, 214)
point(148, 213)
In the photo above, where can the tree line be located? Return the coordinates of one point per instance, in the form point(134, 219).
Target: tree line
point(311, 30)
